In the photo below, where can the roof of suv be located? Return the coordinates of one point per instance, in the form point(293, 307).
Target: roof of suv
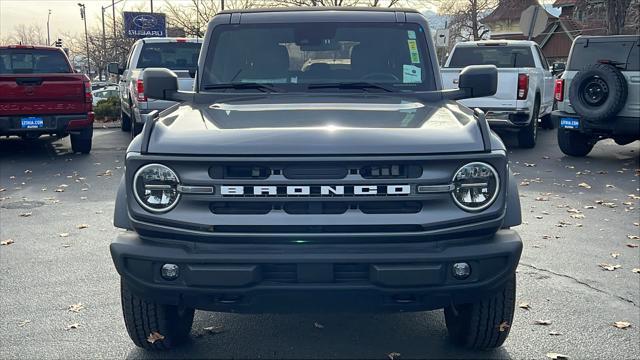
point(319, 8)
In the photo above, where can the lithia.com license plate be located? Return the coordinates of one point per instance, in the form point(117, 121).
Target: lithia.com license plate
point(569, 123)
point(32, 122)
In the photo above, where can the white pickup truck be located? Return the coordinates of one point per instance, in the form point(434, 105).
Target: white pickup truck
point(178, 54)
point(525, 84)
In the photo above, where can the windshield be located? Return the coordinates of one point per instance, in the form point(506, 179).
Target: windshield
point(294, 56)
point(33, 61)
point(501, 56)
point(173, 55)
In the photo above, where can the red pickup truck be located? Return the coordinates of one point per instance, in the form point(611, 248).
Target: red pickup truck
point(40, 93)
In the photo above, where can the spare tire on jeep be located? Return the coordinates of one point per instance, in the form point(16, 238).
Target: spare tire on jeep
point(598, 92)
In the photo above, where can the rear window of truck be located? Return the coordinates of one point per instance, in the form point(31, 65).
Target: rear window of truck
point(589, 52)
point(297, 55)
point(33, 61)
point(172, 55)
point(501, 56)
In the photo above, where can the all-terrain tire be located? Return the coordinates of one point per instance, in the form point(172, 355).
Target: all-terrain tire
point(81, 143)
point(528, 135)
point(574, 143)
point(143, 319)
point(125, 122)
point(598, 92)
point(484, 324)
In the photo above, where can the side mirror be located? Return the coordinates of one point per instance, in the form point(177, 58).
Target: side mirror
point(162, 84)
point(114, 68)
point(475, 81)
point(558, 67)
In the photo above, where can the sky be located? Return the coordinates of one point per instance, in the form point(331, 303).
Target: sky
point(65, 14)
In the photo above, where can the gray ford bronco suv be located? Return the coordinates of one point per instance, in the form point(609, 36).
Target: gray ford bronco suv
point(598, 95)
point(318, 165)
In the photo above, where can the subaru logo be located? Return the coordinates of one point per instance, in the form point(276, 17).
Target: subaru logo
point(145, 21)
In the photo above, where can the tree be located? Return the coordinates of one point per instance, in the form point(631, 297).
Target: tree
point(193, 18)
point(616, 15)
point(465, 18)
point(26, 35)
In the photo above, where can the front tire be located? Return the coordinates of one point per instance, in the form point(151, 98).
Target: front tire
point(144, 318)
point(574, 143)
point(125, 123)
point(81, 143)
point(484, 324)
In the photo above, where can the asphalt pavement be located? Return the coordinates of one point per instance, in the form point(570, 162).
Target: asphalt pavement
point(59, 291)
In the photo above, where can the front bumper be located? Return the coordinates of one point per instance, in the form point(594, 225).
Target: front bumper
point(309, 277)
point(53, 124)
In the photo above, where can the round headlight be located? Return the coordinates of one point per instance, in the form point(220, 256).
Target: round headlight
point(155, 187)
point(475, 186)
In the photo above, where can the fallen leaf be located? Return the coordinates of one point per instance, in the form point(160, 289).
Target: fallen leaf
point(59, 190)
point(82, 226)
point(610, 186)
point(155, 336)
point(584, 185)
point(3, 189)
point(632, 245)
point(76, 308)
point(578, 216)
point(541, 198)
point(7, 242)
point(66, 245)
point(525, 183)
point(63, 234)
point(621, 324)
point(573, 211)
point(554, 333)
point(609, 267)
point(28, 171)
point(214, 329)
point(542, 322)
point(25, 214)
point(539, 217)
point(504, 326)
point(393, 355)
point(590, 207)
point(23, 323)
point(529, 165)
point(636, 270)
point(72, 326)
point(318, 325)
point(556, 356)
point(614, 255)
point(83, 198)
point(524, 305)
point(633, 237)
point(610, 205)
point(634, 197)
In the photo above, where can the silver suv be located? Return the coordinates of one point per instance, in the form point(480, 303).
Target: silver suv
point(598, 96)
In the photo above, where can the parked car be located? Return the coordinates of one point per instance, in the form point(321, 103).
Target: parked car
point(41, 94)
point(177, 54)
point(525, 84)
point(360, 187)
point(104, 94)
point(598, 95)
point(97, 85)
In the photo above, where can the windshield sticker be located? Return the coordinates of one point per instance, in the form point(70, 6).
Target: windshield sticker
point(413, 51)
point(411, 74)
point(411, 34)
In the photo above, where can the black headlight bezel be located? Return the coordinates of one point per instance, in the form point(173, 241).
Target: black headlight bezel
point(493, 197)
point(139, 200)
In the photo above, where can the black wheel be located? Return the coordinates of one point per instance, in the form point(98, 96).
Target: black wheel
point(484, 324)
point(598, 92)
point(154, 326)
point(574, 143)
point(527, 136)
point(125, 123)
point(81, 143)
point(546, 122)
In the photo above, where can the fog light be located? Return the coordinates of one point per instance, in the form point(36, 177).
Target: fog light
point(461, 270)
point(170, 271)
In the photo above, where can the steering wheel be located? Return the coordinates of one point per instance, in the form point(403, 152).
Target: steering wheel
point(380, 76)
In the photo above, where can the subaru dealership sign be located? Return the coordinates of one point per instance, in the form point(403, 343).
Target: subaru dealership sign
point(142, 24)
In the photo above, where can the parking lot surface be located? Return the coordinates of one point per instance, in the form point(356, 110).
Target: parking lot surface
point(59, 291)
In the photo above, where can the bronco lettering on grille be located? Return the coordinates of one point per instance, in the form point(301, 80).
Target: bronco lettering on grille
point(315, 190)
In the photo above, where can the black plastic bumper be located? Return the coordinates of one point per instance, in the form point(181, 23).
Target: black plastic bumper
point(615, 126)
point(53, 124)
point(304, 277)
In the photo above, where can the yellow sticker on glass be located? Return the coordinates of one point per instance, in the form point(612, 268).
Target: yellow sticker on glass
point(413, 51)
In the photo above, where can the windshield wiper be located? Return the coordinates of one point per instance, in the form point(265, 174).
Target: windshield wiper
point(243, 86)
point(350, 86)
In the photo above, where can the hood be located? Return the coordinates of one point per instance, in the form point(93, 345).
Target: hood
point(319, 125)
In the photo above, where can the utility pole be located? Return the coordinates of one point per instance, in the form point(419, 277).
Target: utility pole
point(104, 43)
point(152, 6)
point(221, 4)
point(86, 36)
point(48, 32)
